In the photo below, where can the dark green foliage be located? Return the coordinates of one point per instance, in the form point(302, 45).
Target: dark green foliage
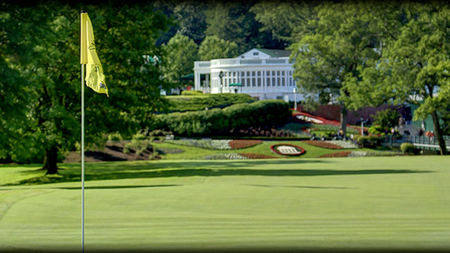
point(408, 148)
point(386, 119)
point(369, 141)
point(198, 103)
point(220, 121)
point(40, 56)
point(377, 130)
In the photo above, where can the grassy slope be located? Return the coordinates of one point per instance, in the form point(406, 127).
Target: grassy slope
point(263, 148)
point(393, 202)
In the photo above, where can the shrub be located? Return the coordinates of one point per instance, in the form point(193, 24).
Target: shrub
point(377, 130)
point(199, 103)
point(220, 121)
point(191, 93)
point(139, 143)
point(408, 148)
point(115, 137)
point(369, 141)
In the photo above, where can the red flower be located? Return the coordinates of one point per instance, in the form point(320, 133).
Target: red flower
point(323, 144)
point(237, 144)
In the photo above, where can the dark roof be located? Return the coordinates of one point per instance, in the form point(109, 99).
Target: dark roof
point(275, 52)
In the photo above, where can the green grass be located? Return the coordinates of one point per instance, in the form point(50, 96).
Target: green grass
point(342, 203)
point(263, 148)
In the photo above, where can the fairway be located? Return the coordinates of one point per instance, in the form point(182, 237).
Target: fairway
point(337, 203)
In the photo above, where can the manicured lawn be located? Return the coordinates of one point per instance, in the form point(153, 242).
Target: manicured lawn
point(190, 152)
point(348, 203)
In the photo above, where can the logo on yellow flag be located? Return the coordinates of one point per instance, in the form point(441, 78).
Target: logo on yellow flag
point(94, 71)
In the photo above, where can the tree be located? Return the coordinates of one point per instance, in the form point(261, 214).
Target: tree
point(191, 20)
point(415, 67)
point(123, 37)
point(233, 21)
point(337, 46)
point(213, 48)
point(285, 21)
point(180, 54)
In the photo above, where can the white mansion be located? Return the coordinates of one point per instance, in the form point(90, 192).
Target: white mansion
point(261, 73)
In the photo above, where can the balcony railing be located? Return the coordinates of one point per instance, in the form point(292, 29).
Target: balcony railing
point(240, 62)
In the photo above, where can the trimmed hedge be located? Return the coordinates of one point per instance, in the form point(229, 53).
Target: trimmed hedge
point(408, 148)
point(369, 141)
point(191, 93)
point(220, 121)
point(200, 102)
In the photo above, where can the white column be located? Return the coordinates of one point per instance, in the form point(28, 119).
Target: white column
point(197, 80)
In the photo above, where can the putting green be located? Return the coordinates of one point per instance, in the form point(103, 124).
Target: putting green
point(371, 203)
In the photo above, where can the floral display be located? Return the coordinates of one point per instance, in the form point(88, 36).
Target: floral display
point(227, 156)
point(256, 156)
point(324, 144)
point(337, 154)
point(216, 144)
point(287, 149)
point(203, 143)
point(237, 144)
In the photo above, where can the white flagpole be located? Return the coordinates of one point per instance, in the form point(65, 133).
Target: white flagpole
point(82, 157)
point(83, 66)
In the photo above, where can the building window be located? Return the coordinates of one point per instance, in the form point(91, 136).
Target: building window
point(273, 81)
point(259, 81)
point(278, 81)
point(278, 73)
point(268, 81)
point(268, 72)
point(282, 81)
point(255, 53)
point(282, 73)
point(273, 72)
point(248, 81)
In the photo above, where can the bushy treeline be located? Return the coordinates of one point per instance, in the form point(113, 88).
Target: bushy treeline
point(221, 121)
point(198, 103)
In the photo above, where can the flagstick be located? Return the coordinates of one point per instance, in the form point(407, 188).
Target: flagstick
point(82, 157)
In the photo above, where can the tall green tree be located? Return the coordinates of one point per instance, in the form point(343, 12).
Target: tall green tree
point(180, 54)
point(340, 42)
point(213, 48)
point(191, 20)
point(285, 21)
point(123, 37)
point(415, 66)
point(233, 21)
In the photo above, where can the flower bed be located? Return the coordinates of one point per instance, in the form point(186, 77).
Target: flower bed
point(216, 144)
point(209, 144)
point(362, 154)
point(287, 149)
point(237, 144)
point(343, 144)
point(323, 144)
point(227, 156)
point(337, 154)
point(256, 156)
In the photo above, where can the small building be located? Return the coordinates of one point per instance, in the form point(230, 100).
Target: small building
point(261, 73)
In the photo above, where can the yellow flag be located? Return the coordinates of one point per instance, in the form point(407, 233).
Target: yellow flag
point(94, 71)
